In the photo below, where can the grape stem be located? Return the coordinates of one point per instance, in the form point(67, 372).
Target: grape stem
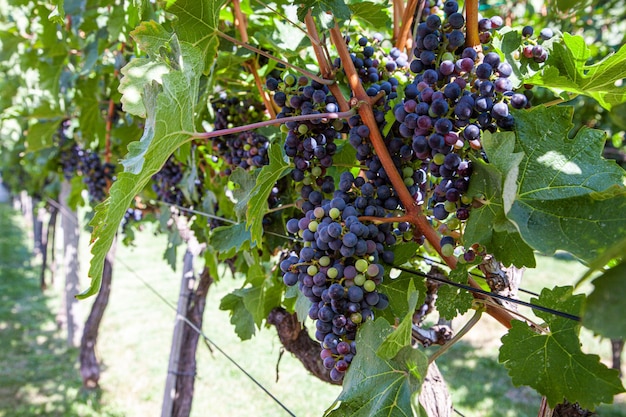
point(324, 64)
point(471, 24)
point(407, 20)
point(251, 65)
point(265, 123)
point(380, 220)
point(270, 56)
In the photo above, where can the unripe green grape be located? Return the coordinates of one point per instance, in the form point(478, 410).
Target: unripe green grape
point(465, 199)
point(325, 261)
point(359, 279)
point(313, 226)
point(312, 270)
point(356, 318)
point(290, 79)
point(447, 249)
point(369, 285)
point(302, 129)
point(332, 272)
point(316, 171)
point(407, 172)
point(454, 223)
point(409, 182)
point(449, 206)
point(361, 265)
point(439, 158)
point(334, 213)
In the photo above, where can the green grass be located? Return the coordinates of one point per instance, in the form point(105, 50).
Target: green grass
point(39, 374)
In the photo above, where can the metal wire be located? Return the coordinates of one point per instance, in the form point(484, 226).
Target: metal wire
point(204, 336)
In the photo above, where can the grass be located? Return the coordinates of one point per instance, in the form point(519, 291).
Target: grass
point(39, 374)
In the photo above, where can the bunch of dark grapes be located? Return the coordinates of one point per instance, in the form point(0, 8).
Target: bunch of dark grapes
point(247, 149)
point(456, 95)
point(96, 175)
point(69, 160)
point(339, 266)
point(166, 183)
point(431, 7)
point(310, 144)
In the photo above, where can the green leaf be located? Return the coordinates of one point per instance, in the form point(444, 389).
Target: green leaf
point(567, 70)
point(40, 133)
point(227, 240)
point(240, 317)
point(553, 363)
point(452, 301)
point(169, 124)
point(397, 289)
point(376, 387)
point(135, 76)
point(614, 252)
point(246, 181)
point(372, 14)
point(604, 313)
point(401, 336)
point(326, 11)
point(568, 196)
point(258, 207)
point(404, 252)
point(495, 182)
point(198, 24)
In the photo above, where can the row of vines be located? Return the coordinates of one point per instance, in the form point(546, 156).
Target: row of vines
point(367, 168)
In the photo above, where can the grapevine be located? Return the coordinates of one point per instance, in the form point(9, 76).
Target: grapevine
point(340, 150)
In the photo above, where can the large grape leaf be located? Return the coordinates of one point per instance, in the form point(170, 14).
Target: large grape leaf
point(326, 11)
point(374, 15)
point(553, 363)
point(568, 196)
point(375, 387)
point(567, 70)
point(168, 125)
point(198, 22)
point(488, 224)
point(240, 317)
point(604, 312)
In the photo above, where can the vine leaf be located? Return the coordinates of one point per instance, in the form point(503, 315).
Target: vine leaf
point(198, 23)
point(452, 301)
point(240, 317)
point(567, 70)
point(376, 387)
point(605, 305)
point(488, 224)
point(553, 363)
point(326, 11)
point(258, 206)
point(169, 124)
point(568, 196)
point(396, 290)
point(374, 15)
point(401, 336)
point(227, 240)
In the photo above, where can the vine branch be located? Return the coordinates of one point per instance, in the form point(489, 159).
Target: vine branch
point(407, 20)
point(245, 128)
point(325, 67)
point(471, 24)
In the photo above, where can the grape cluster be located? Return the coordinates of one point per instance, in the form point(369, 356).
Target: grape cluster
point(69, 160)
point(97, 176)
point(310, 144)
point(131, 215)
point(247, 149)
point(166, 183)
point(339, 266)
point(455, 96)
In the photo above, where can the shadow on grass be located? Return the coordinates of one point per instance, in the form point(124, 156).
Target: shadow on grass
point(38, 372)
point(481, 386)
